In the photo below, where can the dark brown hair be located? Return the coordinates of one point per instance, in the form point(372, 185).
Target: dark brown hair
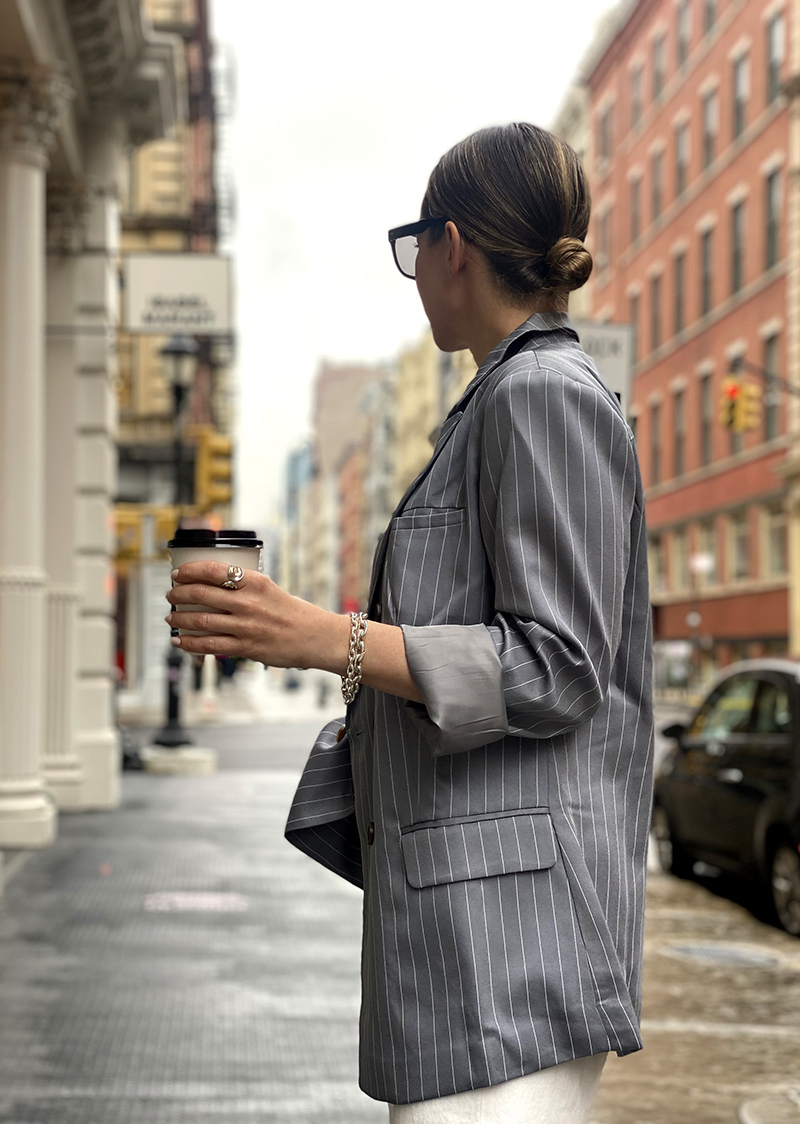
point(519, 194)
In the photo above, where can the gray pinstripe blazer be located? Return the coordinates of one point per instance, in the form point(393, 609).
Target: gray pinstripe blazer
point(499, 830)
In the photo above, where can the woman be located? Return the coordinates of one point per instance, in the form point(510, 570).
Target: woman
point(490, 786)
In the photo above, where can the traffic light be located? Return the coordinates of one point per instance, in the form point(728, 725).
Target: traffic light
point(748, 407)
point(213, 468)
point(730, 393)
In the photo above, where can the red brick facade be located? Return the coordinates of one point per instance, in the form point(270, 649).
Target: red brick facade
point(686, 101)
point(353, 592)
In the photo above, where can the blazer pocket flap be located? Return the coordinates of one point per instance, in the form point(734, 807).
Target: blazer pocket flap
point(428, 518)
point(478, 847)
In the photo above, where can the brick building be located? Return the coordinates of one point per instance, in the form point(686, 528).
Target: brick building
point(340, 421)
point(690, 117)
point(353, 564)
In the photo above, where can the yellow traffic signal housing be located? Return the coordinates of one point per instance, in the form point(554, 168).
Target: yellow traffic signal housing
point(748, 407)
point(730, 393)
point(129, 530)
point(213, 469)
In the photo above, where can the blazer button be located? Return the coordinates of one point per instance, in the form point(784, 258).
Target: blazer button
point(371, 833)
point(340, 733)
point(378, 611)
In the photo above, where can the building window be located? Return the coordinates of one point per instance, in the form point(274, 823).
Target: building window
point(706, 567)
point(656, 184)
point(679, 292)
point(741, 92)
point(776, 540)
point(772, 215)
point(706, 267)
point(637, 95)
point(604, 239)
point(605, 137)
point(737, 246)
point(684, 30)
point(659, 65)
point(655, 311)
point(679, 433)
point(739, 541)
point(709, 15)
point(680, 559)
point(772, 391)
point(706, 420)
point(710, 126)
point(658, 567)
point(655, 443)
point(633, 316)
point(636, 208)
point(681, 157)
point(775, 53)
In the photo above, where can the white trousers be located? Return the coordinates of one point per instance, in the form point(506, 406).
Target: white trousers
point(562, 1094)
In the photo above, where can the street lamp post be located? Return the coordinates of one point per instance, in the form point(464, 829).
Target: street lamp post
point(181, 352)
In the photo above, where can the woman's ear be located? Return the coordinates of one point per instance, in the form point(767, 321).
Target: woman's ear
point(456, 249)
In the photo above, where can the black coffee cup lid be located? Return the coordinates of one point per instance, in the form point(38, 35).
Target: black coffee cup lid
point(193, 536)
point(238, 538)
point(205, 537)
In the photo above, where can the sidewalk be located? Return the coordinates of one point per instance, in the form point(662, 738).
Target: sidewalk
point(254, 695)
point(175, 961)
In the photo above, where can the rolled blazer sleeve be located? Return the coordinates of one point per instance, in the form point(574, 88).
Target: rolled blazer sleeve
point(557, 484)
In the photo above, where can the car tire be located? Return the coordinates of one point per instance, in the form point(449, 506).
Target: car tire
point(671, 856)
point(784, 877)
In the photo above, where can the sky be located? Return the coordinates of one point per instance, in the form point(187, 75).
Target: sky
point(340, 113)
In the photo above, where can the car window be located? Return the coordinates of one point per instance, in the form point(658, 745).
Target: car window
point(726, 710)
point(772, 714)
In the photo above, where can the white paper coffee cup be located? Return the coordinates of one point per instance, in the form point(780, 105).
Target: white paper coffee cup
point(233, 548)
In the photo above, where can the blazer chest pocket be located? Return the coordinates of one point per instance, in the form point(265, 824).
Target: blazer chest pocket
point(427, 552)
point(478, 846)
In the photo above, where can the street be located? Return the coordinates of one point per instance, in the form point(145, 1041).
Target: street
point(175, 960)
point(303, 333)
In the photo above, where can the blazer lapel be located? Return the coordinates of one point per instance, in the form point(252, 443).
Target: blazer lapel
point(446, 432)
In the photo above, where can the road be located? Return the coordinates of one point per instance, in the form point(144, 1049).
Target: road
point(175, 961)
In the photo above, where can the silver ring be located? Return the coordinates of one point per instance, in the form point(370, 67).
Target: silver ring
point(235, 575)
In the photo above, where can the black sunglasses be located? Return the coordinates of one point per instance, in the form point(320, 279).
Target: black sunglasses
point(405, 245)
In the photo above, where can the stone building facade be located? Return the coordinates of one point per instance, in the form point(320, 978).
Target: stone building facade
point(169, 205)
point(80, 83)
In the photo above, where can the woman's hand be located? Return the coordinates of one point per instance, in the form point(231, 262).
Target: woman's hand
point(259, 620)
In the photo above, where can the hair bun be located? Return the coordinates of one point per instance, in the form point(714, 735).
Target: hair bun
point(569, 264)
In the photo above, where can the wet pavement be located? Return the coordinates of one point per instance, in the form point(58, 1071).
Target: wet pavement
point(175, 961)
point(719, 1017)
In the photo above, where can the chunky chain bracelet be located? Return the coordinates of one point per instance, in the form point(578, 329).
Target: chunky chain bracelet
point(351, 681)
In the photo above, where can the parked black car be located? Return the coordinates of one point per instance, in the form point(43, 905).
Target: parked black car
point(728, 792)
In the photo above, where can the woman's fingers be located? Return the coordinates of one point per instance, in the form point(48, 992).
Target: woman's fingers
point(209, 595)
point(205, 622)
point(211, 645)
point(212, 573)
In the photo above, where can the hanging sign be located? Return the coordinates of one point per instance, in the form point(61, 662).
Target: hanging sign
point(169, 294)
point(611, 348)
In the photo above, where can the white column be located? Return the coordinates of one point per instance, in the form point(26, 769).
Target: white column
point(97, 292)
point(67, 202)
point(30, 100)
